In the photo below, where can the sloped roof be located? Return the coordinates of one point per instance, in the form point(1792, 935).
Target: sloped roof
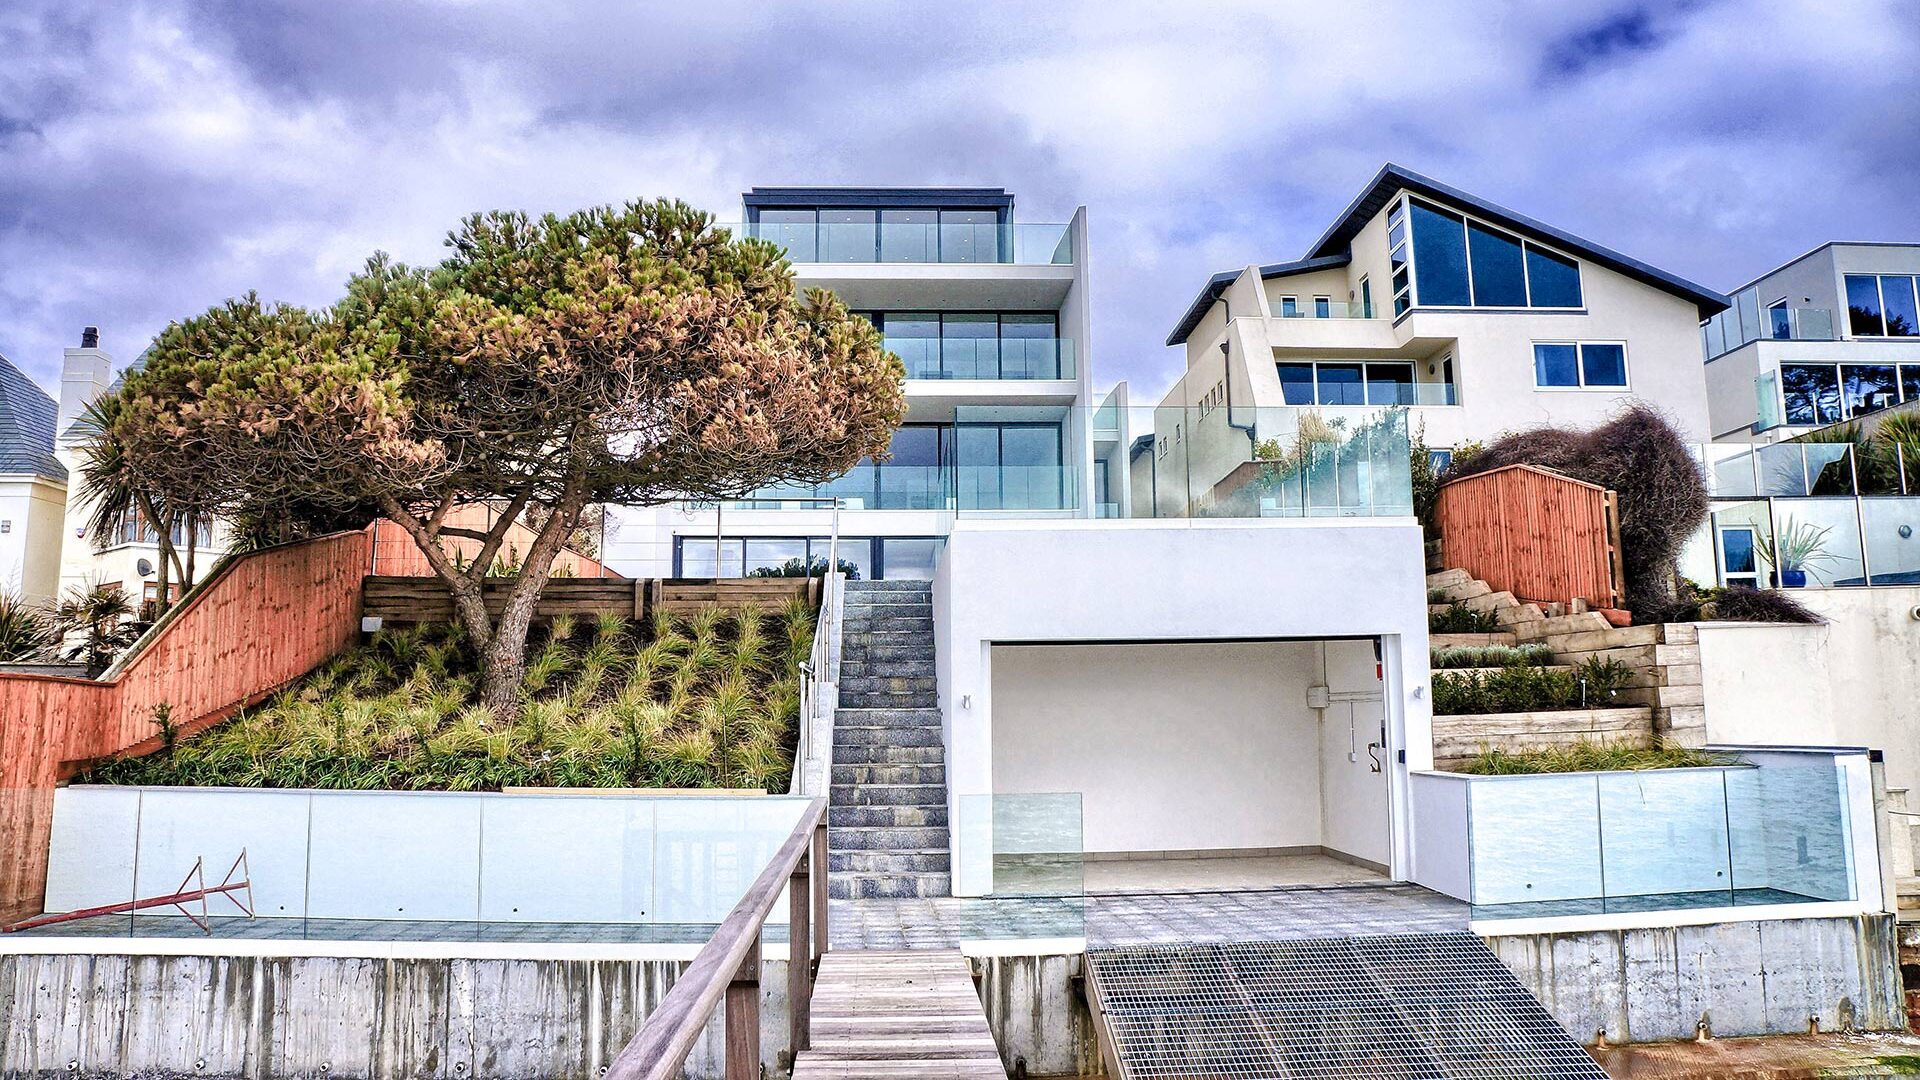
point(27, 421)
point(1392, 179)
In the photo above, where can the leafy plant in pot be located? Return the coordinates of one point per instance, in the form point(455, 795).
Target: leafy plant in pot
point(1799, 546)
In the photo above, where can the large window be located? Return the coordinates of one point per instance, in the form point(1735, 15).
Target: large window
point(1014, 466)
point(864, 235)
point(1816, 393)
point(1461, 262)
point(975, 345)
point(1347, 383)
point(1576, 365)
point(1882, 306)
point(1397, 249)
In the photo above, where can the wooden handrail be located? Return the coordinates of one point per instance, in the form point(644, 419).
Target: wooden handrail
point(730, 960)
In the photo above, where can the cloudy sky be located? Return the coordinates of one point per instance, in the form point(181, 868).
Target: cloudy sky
point(156, 157)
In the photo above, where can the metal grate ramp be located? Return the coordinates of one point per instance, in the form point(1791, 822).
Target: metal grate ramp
point(1404, 1007)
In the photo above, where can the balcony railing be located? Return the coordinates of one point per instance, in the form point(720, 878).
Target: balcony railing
point(1021, 244)
point(1015, 358)
point(1310, 308)
point(1746, 321)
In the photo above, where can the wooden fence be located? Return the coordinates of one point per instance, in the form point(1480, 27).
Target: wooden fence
point(1540, 535)
point(257, 623)
point(417, 600)
point(395, 554)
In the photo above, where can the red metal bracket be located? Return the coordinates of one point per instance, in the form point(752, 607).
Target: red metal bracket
point(177, 899)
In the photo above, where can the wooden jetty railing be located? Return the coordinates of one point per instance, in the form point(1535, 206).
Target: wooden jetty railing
point(728, 967)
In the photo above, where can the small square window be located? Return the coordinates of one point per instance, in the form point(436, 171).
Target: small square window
point(1603, 365)
point(1556, 364)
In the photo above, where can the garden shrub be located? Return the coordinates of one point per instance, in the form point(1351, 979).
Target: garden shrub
point(704, 701)
point(1743, 603)
point(1461, 619)
point(1588, 756)
point(1488, 656)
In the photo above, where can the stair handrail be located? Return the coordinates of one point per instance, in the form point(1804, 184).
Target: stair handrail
point(728, 967)
point(820, 678)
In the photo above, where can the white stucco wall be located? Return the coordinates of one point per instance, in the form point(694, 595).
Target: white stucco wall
point(1141, 580)
point(1171, 747)
point(34, 511)
point(1853, 681)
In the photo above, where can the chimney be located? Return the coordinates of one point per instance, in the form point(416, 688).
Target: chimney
point(85, 374)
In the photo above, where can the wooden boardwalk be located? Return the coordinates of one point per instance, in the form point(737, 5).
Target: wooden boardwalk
point(898, 1014)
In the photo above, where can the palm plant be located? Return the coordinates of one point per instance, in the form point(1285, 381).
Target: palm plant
point(101, 617)
point(25, 629)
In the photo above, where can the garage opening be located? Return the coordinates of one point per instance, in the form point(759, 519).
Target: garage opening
point(1199, 765)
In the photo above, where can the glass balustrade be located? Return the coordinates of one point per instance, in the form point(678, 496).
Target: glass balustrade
point(1310, 308)
point(1017, 358)
point(868, 241)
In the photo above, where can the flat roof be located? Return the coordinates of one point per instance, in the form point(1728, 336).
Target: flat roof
point(979, 198)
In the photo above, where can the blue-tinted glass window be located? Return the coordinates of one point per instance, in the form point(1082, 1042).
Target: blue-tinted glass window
point(1810, 393)
point(970, 346)
point(915, 339)
point(1499, 280)
point(1552, 280)
point(1289, 307)
point(1604, 365)
point(1296, 384)
point(1440, 250)
point(1863, 306)
point(793, 230)
point(1779, 322)
point(1390, 384)
point(1322, 307)
point(909, 235)
point(1342, 384)
point(1737, 548)
point(1556, 365)
point(1896, 294)
point(1866, 388)
point(848, 236)
point(1366, 298)
point(1910, 382)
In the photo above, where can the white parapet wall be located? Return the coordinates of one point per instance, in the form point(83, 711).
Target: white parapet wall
point(390, 855)
point(1106, 582)
point(1851, 681)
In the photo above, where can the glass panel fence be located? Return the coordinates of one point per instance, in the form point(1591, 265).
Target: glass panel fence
point(1892, 525)
point(1307, 307)
point(959, 355)
point(1021, 865)
point(1594, 843)
point(854, 236)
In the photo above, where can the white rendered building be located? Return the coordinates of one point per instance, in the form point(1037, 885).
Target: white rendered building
point(33, 488)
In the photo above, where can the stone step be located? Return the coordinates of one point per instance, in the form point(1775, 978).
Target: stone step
point(893, 838)
point(1466, 590)
point(930, 861)
point(892, 737)
point(889, 774)
point(888, 886)
point(855, 588)
point(898, 624)
point(888, 755)
point(1517, 614)
point(849, 717)
point(915, 699)
point(864, 652)
point(888, 668)
point(1448, 578)
point(885, 684)
point(890, 817)
point(1561, 624)
point(888, 794)
point(884, 639)
point(898, 603)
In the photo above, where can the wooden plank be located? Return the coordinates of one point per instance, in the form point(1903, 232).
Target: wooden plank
point(897, 1015)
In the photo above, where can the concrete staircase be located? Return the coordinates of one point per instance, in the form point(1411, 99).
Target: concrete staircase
point(887, 822)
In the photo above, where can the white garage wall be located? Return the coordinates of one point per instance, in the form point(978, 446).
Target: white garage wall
point(1172, 747)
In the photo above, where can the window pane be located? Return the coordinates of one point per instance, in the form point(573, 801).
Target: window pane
point(1736, 546)
point(792, 230)
point(1366, 298)
point(1498, 279)
point(976, 444)
point(847, 236)
point(1390, 384)
point(1811, 393)
point(909, 235)
point(1604, 365)
point(1030, 444)
point(1552, 281)
point(1897, 294)
point(915, 338)
point(1556, 365)
point(1341, 384)
point(902, 560)
point(1296, 384)
point(970, 346)
point(1289, 307)
point(1029, 347)
point(914, 445)
point(1910, 383)
point(696, 558)
point(1440, 247)
point(767, 555)
point(854, 554)
point(1322, 307)
point(969, 236)
point(1863, 305)
point(1866, 388)
point(1779, 323)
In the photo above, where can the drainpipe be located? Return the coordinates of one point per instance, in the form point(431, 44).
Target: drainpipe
point(1226, 371)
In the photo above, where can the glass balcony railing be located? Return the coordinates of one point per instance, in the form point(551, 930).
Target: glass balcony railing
point(1291, 308)
point(1002, 358)
point(1773, 829)
point(1013, 243)
point(1746, 321)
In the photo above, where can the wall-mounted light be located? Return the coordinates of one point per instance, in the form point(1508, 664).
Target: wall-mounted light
point(966, 701)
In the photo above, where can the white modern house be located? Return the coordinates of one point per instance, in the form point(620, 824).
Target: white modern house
point(990, 315)
point(33, 488)
point(1476, 318)
point(1831, 336)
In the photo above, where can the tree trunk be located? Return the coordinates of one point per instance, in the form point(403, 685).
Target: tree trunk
point(505, 660)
